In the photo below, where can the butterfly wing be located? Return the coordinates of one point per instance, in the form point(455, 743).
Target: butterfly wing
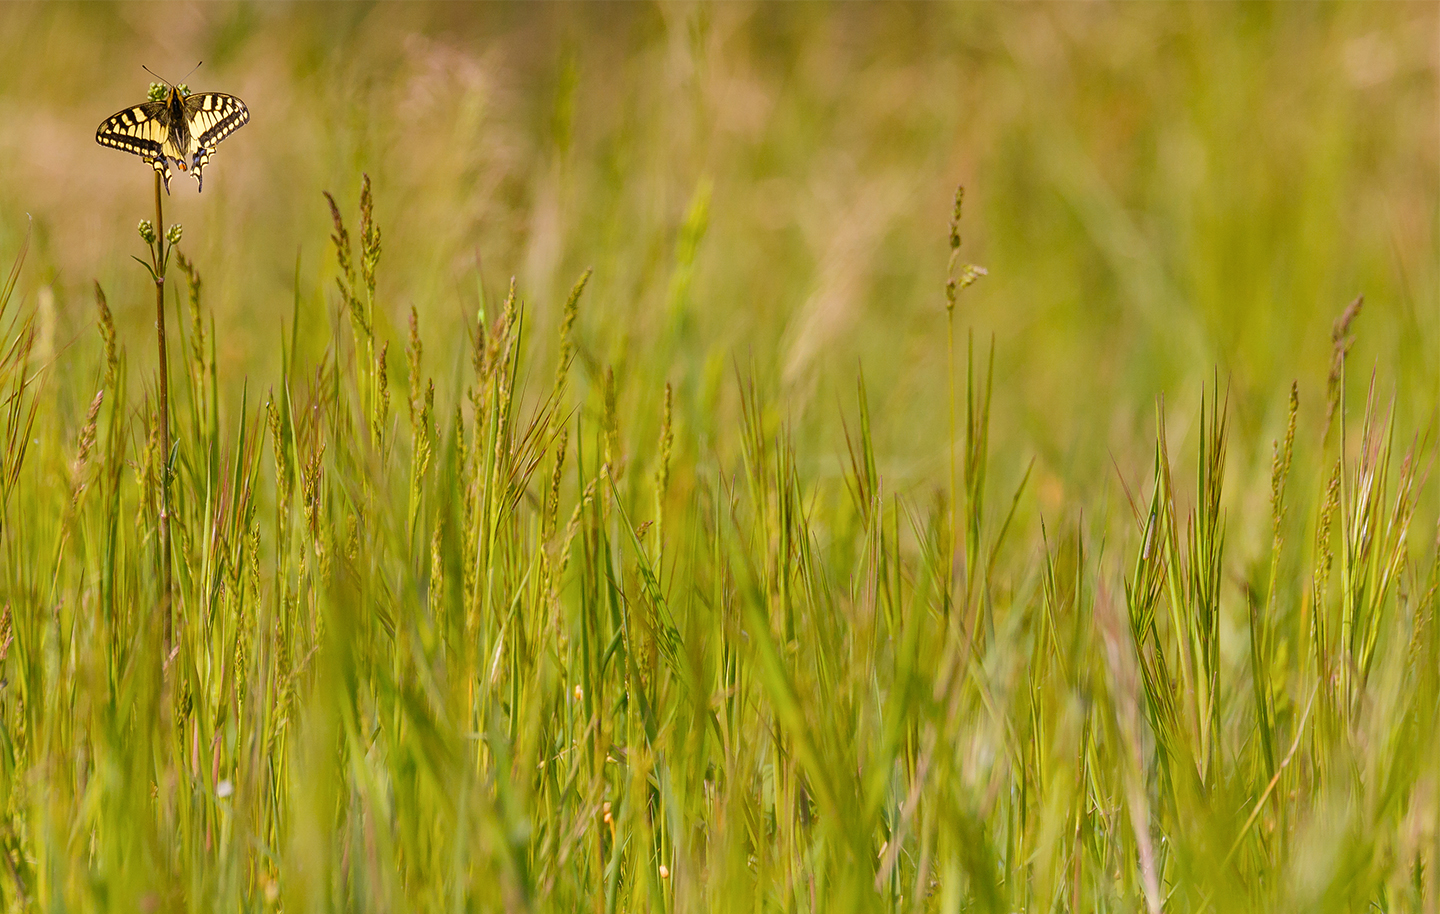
point(143, 130)
point(212, 116)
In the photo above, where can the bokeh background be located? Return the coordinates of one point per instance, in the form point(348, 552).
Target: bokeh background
point(1164, 195)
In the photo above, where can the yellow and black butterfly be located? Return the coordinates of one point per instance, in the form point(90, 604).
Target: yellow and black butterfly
point(176, 127)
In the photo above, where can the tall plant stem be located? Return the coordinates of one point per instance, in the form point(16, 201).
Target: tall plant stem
point(954, 479)
point(165, 578)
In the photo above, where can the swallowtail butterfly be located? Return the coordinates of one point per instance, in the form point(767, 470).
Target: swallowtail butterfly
point(175, 127)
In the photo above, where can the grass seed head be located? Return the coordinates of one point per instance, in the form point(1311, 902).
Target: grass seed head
point(413, 354)
point(106, 322)
point(369, 237)
point(341, 240)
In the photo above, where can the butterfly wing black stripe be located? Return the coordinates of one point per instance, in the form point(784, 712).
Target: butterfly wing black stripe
point(148, 149)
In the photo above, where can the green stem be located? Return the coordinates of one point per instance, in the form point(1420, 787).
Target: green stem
point(954, 479)
point(165, 568)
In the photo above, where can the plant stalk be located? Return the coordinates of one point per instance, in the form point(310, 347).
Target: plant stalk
point(165, 568)
point(954, 518)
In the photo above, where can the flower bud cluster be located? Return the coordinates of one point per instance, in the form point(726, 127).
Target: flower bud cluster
point(147, 231)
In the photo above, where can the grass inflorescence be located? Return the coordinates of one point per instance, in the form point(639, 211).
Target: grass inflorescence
point(514, 646)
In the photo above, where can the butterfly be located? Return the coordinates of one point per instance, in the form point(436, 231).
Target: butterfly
point(175, 127)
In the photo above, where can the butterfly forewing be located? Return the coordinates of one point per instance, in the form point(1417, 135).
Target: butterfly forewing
point(213, 116)
point(142, 130)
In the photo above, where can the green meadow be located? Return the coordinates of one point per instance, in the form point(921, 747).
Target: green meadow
point(602, 463)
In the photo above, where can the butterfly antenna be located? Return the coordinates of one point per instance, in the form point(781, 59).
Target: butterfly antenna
point(158, 76)
point(192, 71)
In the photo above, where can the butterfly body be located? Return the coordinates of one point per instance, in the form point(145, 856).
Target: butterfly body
point(175, 129)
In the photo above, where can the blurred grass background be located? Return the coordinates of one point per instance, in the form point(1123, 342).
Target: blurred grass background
point(1168, 198)
point(1159, 191)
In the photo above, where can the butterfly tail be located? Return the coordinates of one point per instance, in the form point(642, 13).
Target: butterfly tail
point(197, 167)
point(163, 167)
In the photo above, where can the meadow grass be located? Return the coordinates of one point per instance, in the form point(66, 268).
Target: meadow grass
point(810, 568)
point(516, 649)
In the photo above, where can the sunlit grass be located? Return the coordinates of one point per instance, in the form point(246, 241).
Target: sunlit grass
point(481, 652)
